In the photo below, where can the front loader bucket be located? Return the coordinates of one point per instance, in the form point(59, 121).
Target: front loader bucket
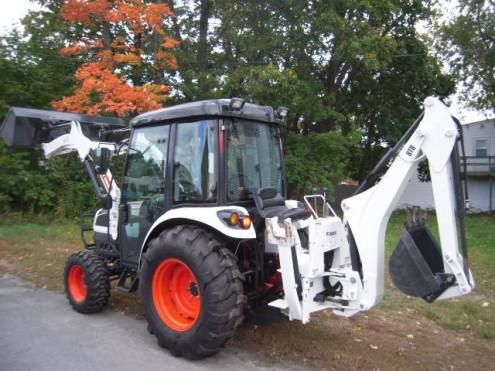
point(28, 128)
point(416, 265)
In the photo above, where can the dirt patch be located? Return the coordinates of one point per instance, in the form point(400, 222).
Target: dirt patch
point(378, 340)
point(41, 263)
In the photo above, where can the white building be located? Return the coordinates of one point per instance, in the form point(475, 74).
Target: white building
point(479, 142)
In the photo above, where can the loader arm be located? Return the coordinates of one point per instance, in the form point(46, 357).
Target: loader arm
point(59, 133)
point(103, 183)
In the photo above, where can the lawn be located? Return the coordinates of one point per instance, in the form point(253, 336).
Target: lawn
point(401, 332)
point(475, 311)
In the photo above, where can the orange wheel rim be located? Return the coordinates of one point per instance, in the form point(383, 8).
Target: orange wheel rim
point(176, 295)
point(77, 283)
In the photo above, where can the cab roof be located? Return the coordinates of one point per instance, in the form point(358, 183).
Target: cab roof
point(208, 108)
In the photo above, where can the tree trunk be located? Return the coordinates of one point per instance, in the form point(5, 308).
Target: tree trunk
point(107, 36)
point(157, 72)
point(203, 46)
point(175, 22)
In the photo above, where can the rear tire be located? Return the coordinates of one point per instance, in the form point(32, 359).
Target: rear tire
point(192, 292)
point(87, 284)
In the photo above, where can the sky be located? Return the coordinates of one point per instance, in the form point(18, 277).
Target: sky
point(13, 10)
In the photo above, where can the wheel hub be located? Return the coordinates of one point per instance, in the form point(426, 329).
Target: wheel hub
point(193, 289)
point(77, 283)
point(176, 295)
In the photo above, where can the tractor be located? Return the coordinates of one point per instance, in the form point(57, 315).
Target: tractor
point(199, 223)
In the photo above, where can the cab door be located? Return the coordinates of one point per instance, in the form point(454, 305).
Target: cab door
point(143, 193)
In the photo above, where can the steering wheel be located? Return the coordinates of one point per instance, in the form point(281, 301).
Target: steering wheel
point(152, 207)
point(240, 191)
point(187, 190)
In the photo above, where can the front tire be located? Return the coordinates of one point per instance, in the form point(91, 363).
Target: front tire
point(87, 284)
point(192, 292)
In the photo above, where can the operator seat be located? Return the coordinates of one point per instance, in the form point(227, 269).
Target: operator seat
point(270, 203)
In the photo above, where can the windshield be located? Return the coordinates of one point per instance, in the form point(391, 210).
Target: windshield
point(253, 159)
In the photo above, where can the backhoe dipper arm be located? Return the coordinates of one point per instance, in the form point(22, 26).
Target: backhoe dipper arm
point(367, 213)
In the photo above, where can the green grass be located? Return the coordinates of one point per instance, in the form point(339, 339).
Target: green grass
point(474, 312)
point(31, 232)
point(38, 252)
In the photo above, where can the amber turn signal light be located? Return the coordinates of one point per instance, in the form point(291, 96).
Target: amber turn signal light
point(234, 219)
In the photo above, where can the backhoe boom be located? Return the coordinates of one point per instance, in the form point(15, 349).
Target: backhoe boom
point(354, 281)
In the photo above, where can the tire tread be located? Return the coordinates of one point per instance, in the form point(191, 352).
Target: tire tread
point(97, 281)
point(223, 313)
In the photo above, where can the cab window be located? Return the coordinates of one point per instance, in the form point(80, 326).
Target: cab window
point(146, 164)
point(253, 159)
point(195, 168)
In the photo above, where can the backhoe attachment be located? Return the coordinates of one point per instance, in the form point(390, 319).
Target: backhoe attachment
point(342, 264)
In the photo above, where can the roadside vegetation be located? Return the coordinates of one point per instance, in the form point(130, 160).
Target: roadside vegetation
point(401, 332)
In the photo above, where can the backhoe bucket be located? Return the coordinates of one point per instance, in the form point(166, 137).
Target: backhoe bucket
point(28, 128)
point(416, 265)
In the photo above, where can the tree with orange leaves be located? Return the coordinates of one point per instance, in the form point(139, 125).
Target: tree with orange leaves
point(126, 54)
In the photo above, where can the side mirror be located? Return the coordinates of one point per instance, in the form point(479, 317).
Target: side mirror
point(102, 162)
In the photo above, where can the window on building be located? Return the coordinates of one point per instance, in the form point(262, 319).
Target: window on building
point(481, 147)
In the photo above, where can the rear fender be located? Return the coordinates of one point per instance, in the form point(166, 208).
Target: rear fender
point(205, 216)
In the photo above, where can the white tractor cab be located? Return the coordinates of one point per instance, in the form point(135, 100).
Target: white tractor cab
point(201, 226)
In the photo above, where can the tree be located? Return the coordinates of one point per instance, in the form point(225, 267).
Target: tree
point(21, 82)
point(315, 160)
point(343, 66)
point(387, 102)
point(353, 74)
point(26, 186)
point(126, 52)
point(34, 54)
point(32, 74)
point(468, 43)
